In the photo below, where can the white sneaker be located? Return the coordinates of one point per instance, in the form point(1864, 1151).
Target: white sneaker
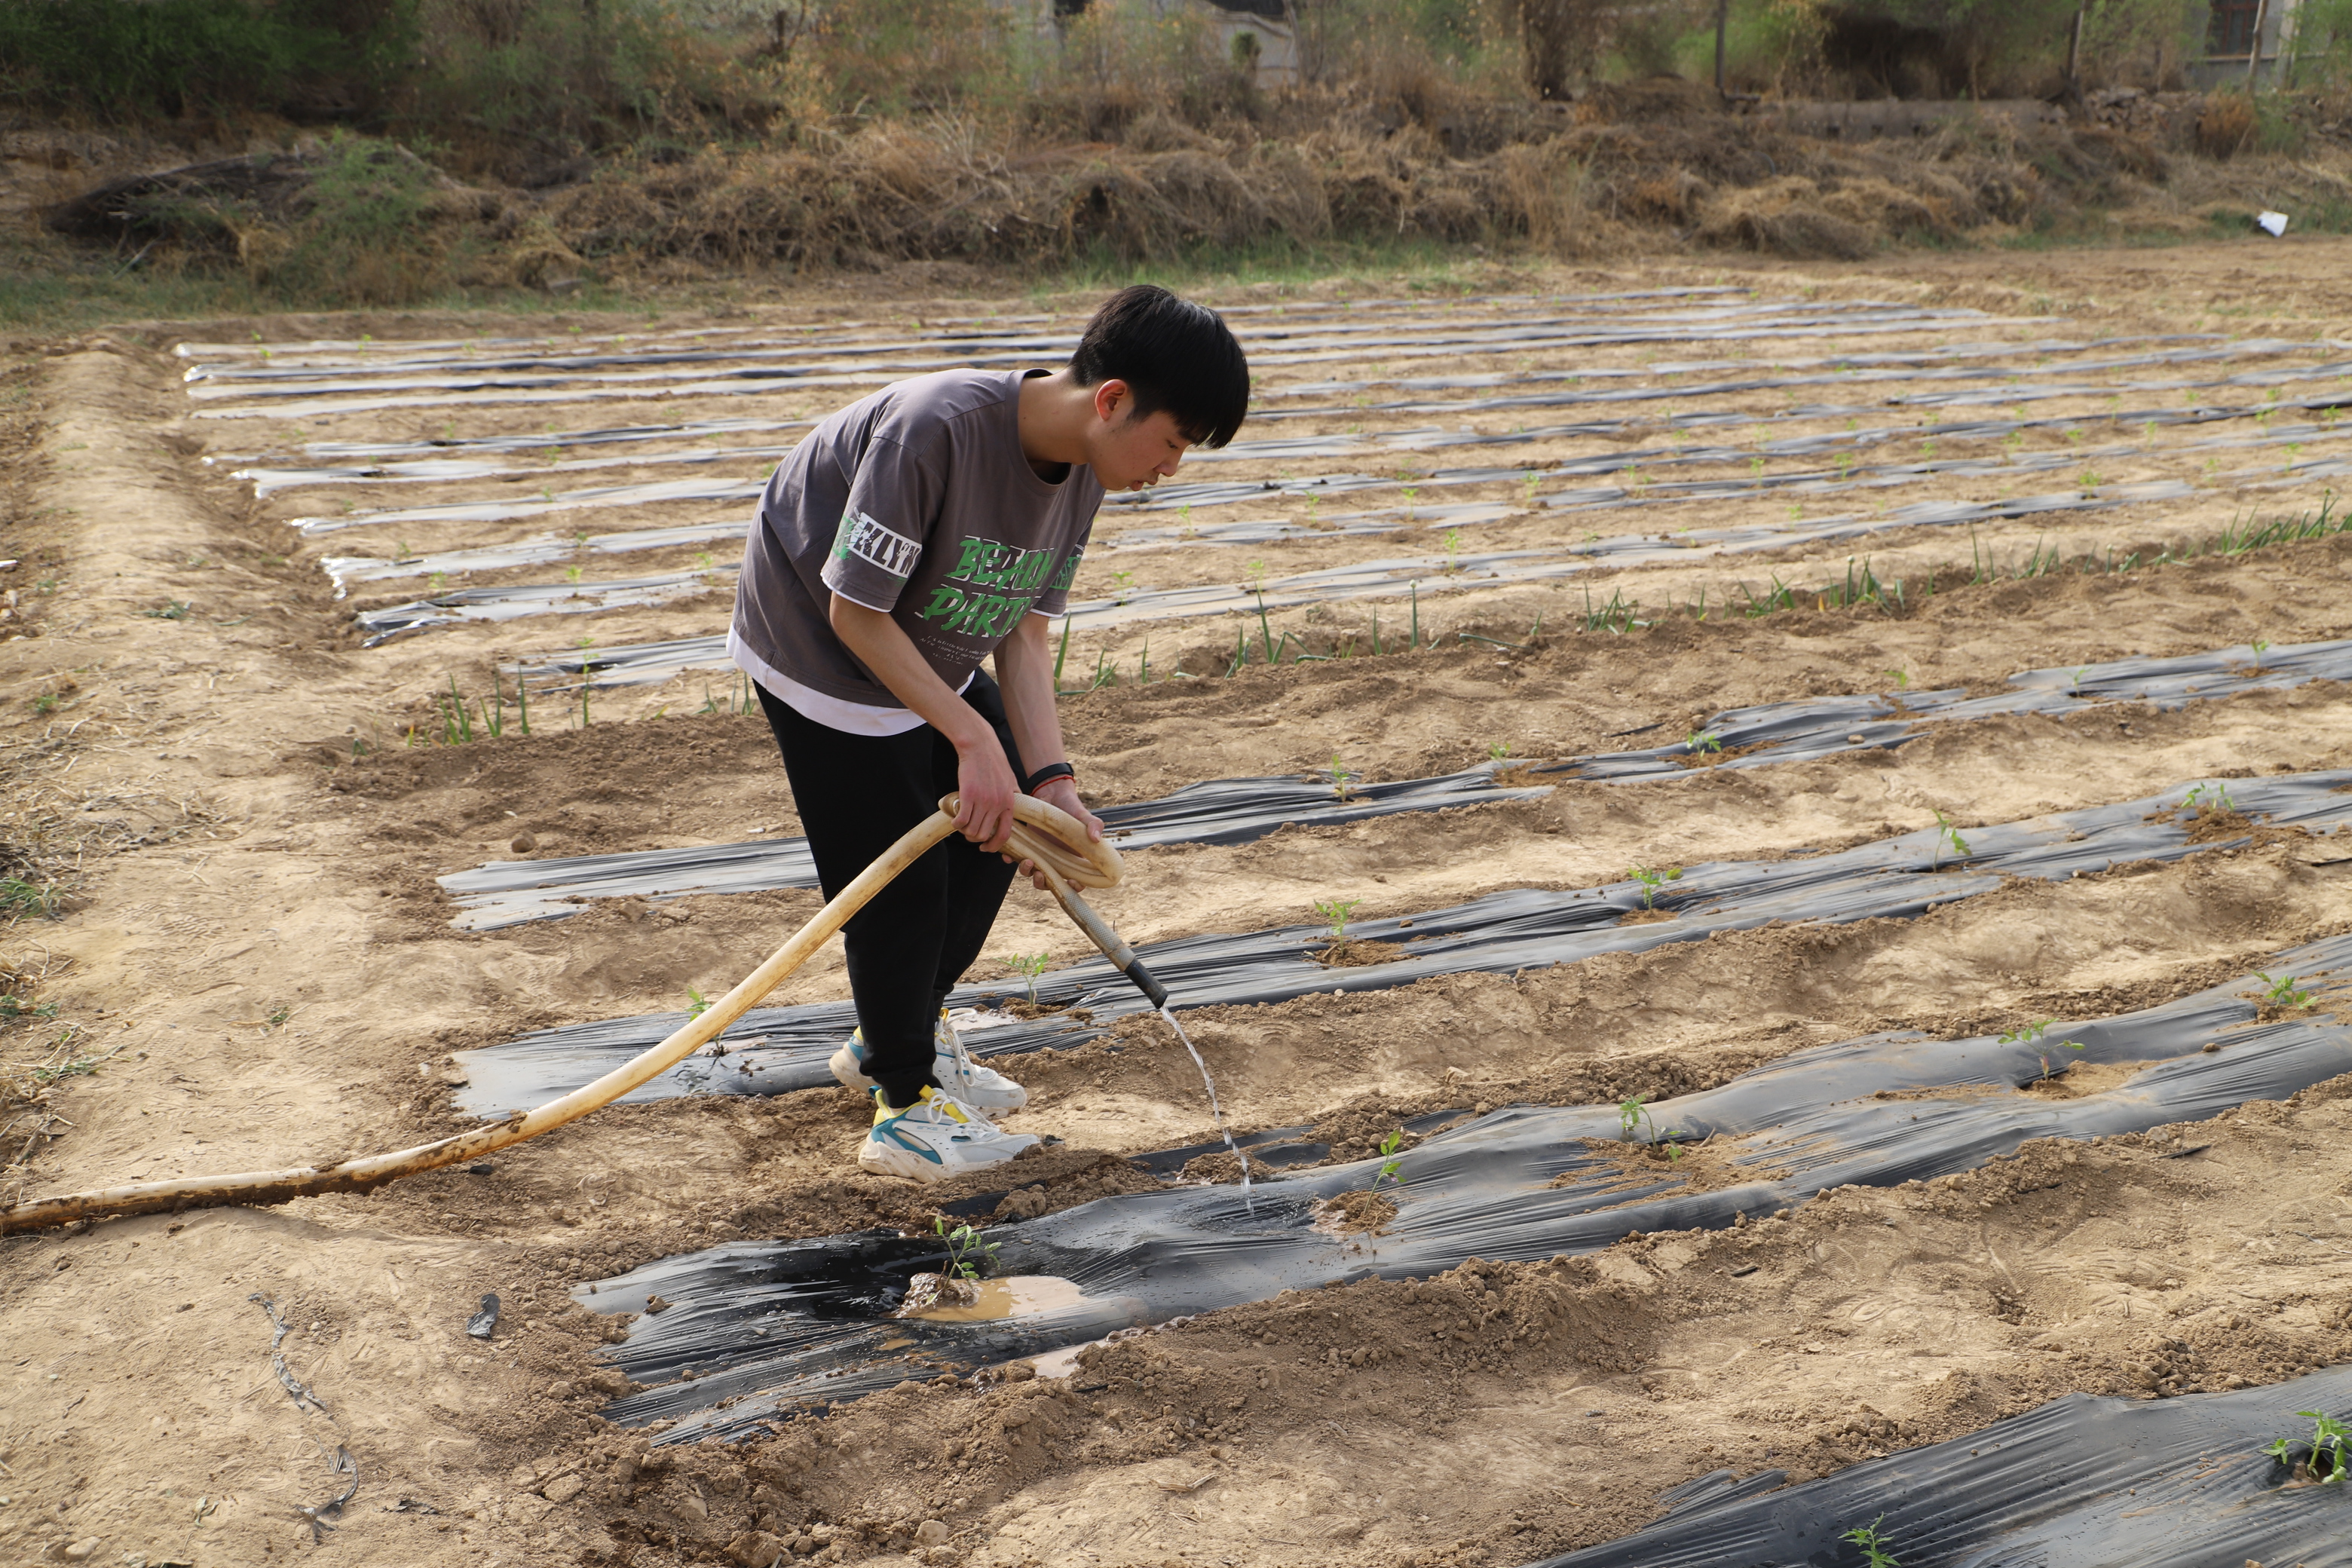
point(934, 1138)
point(977, 1086)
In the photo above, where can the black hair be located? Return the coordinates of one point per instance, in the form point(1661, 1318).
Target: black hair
point(1173, 355)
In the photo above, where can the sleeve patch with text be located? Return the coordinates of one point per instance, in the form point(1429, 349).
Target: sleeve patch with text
point(868, 539)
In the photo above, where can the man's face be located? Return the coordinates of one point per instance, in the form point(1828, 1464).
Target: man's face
point(1127, 453)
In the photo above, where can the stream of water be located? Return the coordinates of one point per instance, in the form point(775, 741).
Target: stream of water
point(1214, 1109)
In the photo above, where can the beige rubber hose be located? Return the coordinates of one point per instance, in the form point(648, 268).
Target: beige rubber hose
point(1041, 833)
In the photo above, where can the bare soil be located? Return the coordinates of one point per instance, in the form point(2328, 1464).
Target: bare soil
point(244, 963)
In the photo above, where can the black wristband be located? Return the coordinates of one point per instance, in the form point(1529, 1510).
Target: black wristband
point(1046, 775)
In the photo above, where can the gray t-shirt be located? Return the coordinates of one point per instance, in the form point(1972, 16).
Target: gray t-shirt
point(917, 501)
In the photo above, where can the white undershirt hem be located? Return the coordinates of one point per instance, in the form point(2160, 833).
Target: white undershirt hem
point(850, 718)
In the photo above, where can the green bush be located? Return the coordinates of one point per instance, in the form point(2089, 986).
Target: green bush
point(2323, 44)
point(567, 74)
point(126, 59)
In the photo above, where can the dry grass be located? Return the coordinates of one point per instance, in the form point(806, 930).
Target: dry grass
point(1658, 169)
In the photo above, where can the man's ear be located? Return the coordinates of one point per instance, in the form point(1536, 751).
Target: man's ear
point(1113, 397)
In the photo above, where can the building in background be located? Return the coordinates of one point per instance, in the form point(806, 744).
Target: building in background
point(2248, 42)
point(1261, 33)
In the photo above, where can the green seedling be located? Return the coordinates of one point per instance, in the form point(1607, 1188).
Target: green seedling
point(1947, 833)
point(174, 610)
point(697, 1004)
point(1452, 550)
point(1652, 878)
point(1028, 965)
point(1702, 740)
point(1873, 1544)
point(2331, 1448)
point(1902, 679)
point(1336, 912)
point(19, 898)
point(277, 1016)
point(2261, 648)
point(1389, 1146)
point(14, 1007)
point(1343, 779)
point(2031, 1035)
point(2208, 797)
point(2285, 992)
point(1497, 750)
point(87, 1065)
point(1631, 1114)
point(572, 574)
point(963, 1245)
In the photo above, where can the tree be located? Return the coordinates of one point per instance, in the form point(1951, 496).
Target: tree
point(1558, 39)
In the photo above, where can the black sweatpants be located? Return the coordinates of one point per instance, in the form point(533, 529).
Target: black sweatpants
point(857, 794)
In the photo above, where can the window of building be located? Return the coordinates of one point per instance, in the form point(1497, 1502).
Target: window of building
point(2232, 32)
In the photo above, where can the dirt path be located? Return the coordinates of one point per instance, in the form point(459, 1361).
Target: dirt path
point(246, 962)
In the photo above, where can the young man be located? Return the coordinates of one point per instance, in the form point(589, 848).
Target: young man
point(912, 535)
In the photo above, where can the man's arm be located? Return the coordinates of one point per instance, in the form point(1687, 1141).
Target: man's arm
point(1024, 670)
point(985, 780)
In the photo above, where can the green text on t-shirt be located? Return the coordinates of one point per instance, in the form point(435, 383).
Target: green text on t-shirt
point(983, 564)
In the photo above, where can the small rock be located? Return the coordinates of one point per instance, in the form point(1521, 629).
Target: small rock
point(523, 843)
point(632, 910)
point(558, 1390)
point(80, 1551)
point(562, 1489)
point(755, 1549)
point(929, 1292)
point(691, 1506)
point(931, 1533)
point(1019, 1372)
point(655, 1304)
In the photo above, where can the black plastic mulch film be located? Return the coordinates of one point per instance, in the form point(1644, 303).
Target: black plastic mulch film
point(775, 1327)
point(443, 461)
point(772, 1049)
point(270, 390)
point(642, 663)
point(2080, 1482)
point(653, 662)
point(1258, 449)
point(1235, 811)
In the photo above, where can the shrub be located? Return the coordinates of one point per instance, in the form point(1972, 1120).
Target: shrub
point(124, 58)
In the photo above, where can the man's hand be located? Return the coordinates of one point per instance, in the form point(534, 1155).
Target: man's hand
point(985, 790)
point(1062, 795)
